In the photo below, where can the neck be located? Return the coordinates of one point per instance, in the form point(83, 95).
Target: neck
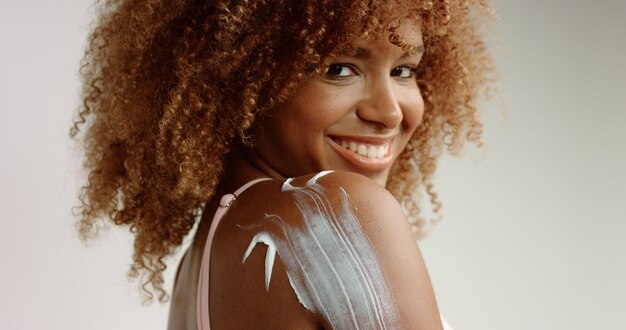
point(253, 159)
point(244, 166)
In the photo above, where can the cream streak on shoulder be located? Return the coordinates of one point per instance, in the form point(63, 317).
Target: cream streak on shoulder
point(330, 263)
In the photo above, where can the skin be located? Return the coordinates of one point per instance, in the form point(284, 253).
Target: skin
point(370, 97)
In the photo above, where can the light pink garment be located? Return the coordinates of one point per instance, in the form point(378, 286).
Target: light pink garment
point(202, 305)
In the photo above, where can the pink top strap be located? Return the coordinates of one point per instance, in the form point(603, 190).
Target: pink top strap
point(202, 305)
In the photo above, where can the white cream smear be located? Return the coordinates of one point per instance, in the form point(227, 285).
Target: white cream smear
point(330, 264)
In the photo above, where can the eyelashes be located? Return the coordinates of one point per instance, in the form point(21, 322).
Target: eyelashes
point(339, 70)
point(342, 71)
point(405, 71)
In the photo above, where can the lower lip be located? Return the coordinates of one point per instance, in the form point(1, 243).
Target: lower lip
point(365, 163)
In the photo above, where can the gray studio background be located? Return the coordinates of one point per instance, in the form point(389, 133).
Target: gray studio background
point(533, 234)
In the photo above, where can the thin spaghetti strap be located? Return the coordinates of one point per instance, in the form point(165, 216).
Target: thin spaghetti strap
point(202, 304)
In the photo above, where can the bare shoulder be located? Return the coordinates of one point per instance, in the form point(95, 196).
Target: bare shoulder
point(375, 209)
point(329, 249)
point(396, 253)
point(373, 204)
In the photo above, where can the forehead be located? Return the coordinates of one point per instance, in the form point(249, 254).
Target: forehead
point(410, 32)
point(407, 36)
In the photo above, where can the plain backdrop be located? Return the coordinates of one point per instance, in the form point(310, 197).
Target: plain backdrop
point(534, 223)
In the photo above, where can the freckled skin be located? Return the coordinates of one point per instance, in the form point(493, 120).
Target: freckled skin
point(295, 141)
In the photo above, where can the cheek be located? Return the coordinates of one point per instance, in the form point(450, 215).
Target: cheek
point(414, 111)
point(318, 109)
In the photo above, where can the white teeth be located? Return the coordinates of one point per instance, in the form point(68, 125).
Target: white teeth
point(372, 152)
point(380, 153)
point(368, 151)
point(353, 146)
point(362, 150)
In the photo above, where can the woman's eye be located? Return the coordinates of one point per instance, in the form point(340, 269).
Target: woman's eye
point(339, 71)
point(404, 71)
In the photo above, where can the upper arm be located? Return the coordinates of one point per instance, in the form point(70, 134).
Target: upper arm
point(386, 228)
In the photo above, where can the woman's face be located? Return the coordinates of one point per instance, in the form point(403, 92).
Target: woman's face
point(356, 117)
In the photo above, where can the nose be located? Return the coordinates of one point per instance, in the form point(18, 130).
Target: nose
point(380, 105)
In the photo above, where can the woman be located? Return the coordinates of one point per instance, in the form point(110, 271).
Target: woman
point(292, 125)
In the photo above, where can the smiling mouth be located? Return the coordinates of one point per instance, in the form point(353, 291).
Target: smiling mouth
point(363, 149)
point(368, 154)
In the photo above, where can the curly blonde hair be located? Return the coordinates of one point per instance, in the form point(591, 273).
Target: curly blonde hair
point(170, 88)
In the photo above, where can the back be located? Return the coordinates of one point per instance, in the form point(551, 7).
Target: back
point(226, 280)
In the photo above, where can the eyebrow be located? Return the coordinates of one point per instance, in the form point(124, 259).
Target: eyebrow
point(417, 50)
